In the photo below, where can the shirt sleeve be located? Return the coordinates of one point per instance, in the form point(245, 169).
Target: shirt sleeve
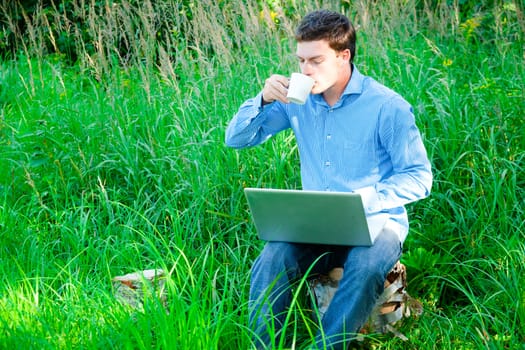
point(254, 123)
point(411, 175)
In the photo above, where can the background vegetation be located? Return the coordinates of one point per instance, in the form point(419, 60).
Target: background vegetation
point(112, 160)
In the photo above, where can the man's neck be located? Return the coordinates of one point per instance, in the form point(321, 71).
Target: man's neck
point(332, 95)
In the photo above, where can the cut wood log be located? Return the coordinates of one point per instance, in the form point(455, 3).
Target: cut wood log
point(133, 288)
point(392, 305)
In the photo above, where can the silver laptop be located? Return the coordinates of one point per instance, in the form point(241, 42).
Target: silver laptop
point(317, 217)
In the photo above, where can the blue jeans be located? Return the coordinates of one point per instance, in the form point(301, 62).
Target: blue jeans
point(280, 264)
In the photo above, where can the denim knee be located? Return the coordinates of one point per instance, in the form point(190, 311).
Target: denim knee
point(279, 255)
point(374, 262)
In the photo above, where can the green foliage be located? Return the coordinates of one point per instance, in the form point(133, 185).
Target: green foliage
point(114, 161)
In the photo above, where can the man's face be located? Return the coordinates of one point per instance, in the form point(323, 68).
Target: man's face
point(327, 66)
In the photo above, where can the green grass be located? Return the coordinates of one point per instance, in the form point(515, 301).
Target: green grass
point(107, 169)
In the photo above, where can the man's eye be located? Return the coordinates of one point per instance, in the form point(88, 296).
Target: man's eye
point(316, 61)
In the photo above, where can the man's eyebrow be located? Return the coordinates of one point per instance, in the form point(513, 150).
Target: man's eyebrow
point(310, 58)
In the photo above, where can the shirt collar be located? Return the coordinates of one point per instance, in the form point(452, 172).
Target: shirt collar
point(354, 87)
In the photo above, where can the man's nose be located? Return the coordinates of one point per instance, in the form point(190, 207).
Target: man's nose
point(307, 69)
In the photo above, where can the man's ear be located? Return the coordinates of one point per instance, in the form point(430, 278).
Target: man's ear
point(346, 56)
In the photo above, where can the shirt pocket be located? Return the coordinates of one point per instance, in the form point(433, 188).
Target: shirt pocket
point(361, 160)
point(359, 149)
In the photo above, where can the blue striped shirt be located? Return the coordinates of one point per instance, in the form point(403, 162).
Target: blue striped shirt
point(368, 142)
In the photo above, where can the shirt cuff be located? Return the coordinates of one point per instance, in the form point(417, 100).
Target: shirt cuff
point(370, 198)
point(258, 102)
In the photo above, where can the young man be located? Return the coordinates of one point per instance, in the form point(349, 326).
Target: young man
point(353, 134)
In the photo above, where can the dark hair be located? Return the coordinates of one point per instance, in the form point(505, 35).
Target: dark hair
point(330, 26)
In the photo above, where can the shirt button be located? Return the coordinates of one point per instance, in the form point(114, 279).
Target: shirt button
point(329, 137)
point(327, 163)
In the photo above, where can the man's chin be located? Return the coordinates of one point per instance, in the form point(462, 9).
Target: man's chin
point(316, 91)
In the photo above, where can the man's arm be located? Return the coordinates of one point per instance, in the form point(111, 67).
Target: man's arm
point(411, 177)
point(261, 117)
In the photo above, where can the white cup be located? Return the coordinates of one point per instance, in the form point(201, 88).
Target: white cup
point(299, 88)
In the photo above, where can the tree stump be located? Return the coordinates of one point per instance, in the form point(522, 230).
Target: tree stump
point(392, 305)
point(133, 288)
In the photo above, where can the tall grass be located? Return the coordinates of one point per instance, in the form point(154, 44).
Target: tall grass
point(116, 163)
